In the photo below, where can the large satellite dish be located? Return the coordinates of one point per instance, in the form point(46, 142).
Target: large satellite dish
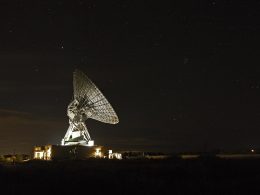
point(88, 102)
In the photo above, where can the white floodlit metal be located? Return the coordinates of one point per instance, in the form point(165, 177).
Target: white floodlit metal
point(88, 102)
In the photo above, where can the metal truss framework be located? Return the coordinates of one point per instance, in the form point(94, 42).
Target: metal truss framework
point(88, 102)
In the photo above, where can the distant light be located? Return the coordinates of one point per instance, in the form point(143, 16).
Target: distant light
point(110, 154)
point(48, 153)
point(98, 152)
point(39, 155)
point(252, 150)
point(118, 156)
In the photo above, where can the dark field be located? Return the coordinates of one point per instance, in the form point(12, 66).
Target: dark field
point(175, 176)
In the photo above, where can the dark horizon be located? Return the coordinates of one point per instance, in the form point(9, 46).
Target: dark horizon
point(181, 76)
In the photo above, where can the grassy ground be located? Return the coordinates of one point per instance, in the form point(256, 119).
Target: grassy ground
point(175, 176)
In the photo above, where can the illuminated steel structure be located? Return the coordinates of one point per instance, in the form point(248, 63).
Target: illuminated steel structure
point(88, 102)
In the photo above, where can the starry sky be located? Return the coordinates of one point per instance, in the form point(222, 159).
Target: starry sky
point(181, 75)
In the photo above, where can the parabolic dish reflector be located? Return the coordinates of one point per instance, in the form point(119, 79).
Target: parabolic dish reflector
point(91, 100)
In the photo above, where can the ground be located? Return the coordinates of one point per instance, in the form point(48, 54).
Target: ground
point(173, 176)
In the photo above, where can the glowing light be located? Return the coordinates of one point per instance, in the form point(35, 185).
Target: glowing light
point(39, 155)
point(98, 152)
point(118, 156)
point(252, 150)
point(110, 154)
point(43, 153)
point(91, 143)
point(48, 154)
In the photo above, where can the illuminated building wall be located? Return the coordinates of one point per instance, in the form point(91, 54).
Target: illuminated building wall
point(57, 152)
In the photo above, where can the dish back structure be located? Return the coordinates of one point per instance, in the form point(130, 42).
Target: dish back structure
point(88, 102)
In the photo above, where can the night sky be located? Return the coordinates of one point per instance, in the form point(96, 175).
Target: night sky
point(181, 75)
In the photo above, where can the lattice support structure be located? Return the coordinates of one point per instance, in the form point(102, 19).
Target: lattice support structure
point(88, 102)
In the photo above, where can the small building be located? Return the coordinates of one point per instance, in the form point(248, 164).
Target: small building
point(15, 158)
point(70, 152)
point(114, 155)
